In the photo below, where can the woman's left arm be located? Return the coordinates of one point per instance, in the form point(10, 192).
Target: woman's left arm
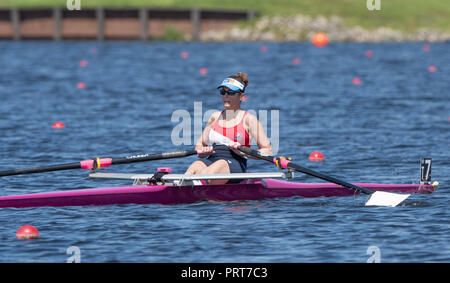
point(257, 132)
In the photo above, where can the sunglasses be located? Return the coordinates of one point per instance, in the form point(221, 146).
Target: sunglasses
point(229, 92)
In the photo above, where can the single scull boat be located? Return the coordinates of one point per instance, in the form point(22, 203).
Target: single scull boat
point(176, 189)
point(165, 188)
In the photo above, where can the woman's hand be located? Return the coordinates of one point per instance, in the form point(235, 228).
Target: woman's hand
point(234, 147)
point(265, 151)
point(204, 151)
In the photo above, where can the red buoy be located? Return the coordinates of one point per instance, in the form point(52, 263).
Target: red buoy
point(296, 61)
point(432, 69)
point(81, 85)
point(58, 125)
point(369, 53)
point(263, 49)
point(356, 81)
point(316, 156)
point(27, 232)
point(203, 71)
point(184, 55)
point(83, 63)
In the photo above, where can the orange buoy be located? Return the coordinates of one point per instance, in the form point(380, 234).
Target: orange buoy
point(27, 232)
point(316, 156)
point(432, 69)
point(58, 125)
point(320, 39)
point(203, 71)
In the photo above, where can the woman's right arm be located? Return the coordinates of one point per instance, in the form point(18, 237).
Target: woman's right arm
point(203, 141)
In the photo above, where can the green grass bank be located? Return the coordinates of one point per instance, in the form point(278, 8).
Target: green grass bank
point(407, 16)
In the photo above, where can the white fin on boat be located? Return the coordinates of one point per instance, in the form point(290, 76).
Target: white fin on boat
point(380, 198)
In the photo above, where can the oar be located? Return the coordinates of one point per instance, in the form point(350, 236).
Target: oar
point(377, 198)
point(99, 162)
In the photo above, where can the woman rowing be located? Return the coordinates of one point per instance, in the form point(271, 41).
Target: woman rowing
point(226, 130)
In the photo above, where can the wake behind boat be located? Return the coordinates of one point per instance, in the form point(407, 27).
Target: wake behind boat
point(165, 188)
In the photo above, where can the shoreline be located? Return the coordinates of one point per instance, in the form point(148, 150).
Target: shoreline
point(302, 28)
point(180, 25)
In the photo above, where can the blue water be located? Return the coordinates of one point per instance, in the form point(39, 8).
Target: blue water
point(373, 132)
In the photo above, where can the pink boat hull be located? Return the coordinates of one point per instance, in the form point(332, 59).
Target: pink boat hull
point(163, 194)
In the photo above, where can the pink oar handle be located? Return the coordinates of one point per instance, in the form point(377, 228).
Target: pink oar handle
point(281, 162)
point(89, 164)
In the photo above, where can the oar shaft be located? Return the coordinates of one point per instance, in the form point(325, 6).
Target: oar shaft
point(328, 178)
point(41, 169)
point(156, 156)
point(304, 170)
point(99, 163)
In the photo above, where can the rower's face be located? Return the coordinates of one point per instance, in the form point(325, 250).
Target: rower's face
point(231, 101)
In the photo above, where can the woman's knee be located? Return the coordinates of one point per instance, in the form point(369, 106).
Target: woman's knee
point(196, 167)
point(220, 166)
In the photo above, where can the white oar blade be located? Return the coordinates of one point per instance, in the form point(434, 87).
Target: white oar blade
point(380, 198)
